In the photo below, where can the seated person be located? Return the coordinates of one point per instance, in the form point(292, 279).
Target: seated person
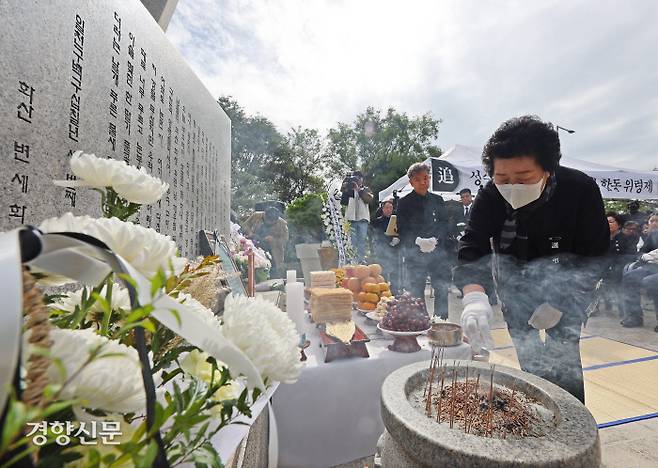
point(622, 251)
point(641, 274)
point(630, 236)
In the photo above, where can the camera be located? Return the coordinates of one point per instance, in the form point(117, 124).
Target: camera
point(351, 179)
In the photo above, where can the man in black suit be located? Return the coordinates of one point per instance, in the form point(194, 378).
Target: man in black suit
point(422, 220)
point(467, 202)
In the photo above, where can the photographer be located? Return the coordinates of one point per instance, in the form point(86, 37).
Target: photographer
point(356, 197)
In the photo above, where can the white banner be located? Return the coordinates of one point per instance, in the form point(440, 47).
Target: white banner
point(448, 179)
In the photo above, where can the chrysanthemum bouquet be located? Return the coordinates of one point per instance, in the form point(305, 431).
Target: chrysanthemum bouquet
point(92, 408)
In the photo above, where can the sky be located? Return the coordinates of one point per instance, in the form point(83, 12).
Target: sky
point(587, 65)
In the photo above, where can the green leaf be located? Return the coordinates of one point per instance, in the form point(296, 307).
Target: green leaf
point(206, 456)
point(136, 314)
point(170, 356)
point(255, 394)
point(56, 407)
point(146, 461)
point(200, 434)
point(14, 423)
point(148, 324)
point(178, 398)
point(128, 279)
point(176, 315)
point(158, 281)
point(94, 459)
point(105, 305)
point(166, 377)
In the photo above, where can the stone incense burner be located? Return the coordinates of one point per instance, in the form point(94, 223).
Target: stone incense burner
point(568, 436)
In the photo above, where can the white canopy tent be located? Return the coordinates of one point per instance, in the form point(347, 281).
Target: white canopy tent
point(461, 167)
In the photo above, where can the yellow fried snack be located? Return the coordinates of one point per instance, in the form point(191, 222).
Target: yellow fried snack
point(344, 331)
point(371, 288)
point(372, 297)
point(366, 306)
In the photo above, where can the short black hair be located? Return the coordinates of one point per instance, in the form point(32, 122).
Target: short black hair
point(465, 190)
point(357, 174)
point(527, 135)
point(615, 215)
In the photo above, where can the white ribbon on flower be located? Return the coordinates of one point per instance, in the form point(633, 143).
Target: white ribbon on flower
point(11, 289)
point(89, 264)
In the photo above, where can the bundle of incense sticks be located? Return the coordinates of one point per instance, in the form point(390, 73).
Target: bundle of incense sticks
point(481, 413)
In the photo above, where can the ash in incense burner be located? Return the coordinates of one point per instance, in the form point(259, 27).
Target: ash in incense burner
point(465, 413)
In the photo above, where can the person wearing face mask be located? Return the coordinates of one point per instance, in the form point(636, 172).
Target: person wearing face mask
point(547, 229)
point(422, 221)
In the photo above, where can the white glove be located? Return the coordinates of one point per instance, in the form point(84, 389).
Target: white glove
point(475, 320)
point(395, 241)
point(651, 257)
point(544, 317)
point(426, 245)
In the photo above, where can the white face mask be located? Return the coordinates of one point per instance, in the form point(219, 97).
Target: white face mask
point(520, 195)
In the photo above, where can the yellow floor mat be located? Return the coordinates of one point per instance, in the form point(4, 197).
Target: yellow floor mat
point(623, 391)
point(614, 389)
point(597, 350)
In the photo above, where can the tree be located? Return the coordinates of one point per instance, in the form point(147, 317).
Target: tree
point(254, 142)
point(268, 165)
point(298, 167)
point(384, 145)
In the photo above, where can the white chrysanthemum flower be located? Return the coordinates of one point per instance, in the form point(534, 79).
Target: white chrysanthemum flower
point(265, 334)
point(195, 364)
point(120, 300)
point(144, 248)
point(202, 311)
point(113, 383)
point(132, 184)
point(69, 223)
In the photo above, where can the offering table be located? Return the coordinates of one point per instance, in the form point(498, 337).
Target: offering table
point(331, 415)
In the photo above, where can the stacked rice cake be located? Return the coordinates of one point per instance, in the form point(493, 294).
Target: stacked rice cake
point(323, 279)
point(331, 305)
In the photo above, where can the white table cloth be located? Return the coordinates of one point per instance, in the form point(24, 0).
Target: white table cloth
point(331, 415)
